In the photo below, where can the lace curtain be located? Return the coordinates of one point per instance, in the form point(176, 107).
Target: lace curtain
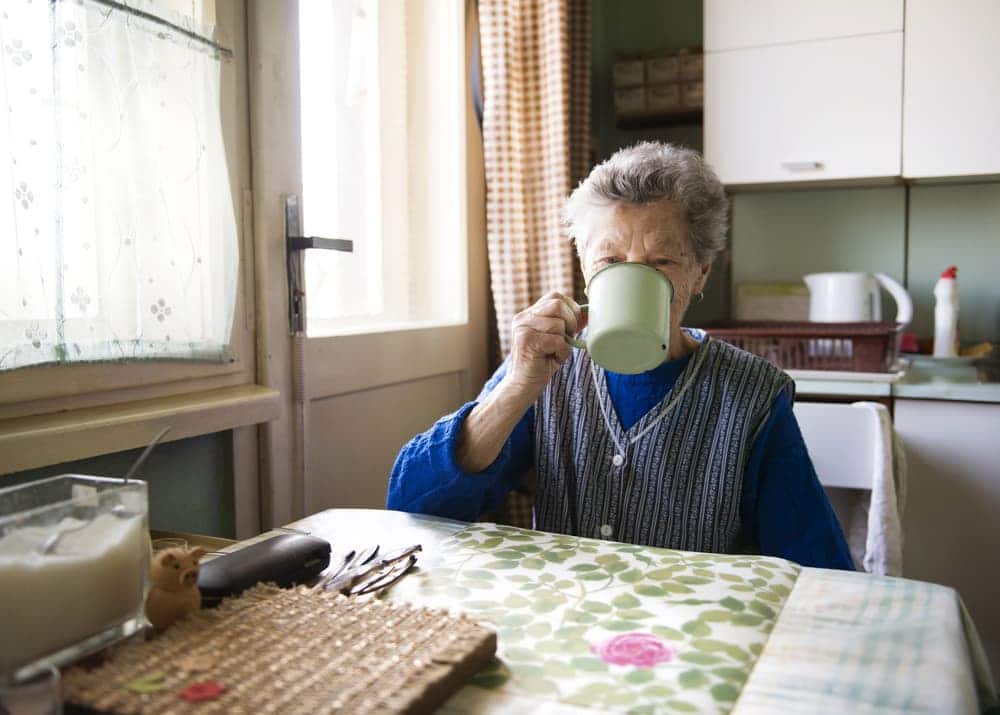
point(117, 231)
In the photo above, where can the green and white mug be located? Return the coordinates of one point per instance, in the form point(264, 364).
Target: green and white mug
point(628, 321)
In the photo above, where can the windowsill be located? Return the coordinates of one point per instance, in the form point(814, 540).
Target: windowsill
point(42, 440)
point(328, 328)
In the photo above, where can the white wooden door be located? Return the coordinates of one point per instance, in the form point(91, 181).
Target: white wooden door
point(953, 498)
point(951, 102)
point(810, 111)
point(733, 24)
point(350, 401)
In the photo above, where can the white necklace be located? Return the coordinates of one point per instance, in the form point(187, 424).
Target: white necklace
point(621, 450)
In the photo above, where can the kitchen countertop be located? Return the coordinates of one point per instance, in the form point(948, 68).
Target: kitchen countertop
point(929, 381)
point(925, 380)
point(854, 388)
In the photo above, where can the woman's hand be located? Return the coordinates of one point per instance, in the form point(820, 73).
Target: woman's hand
point(540, 343)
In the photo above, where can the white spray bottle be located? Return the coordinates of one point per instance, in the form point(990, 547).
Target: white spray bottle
point(946, 314)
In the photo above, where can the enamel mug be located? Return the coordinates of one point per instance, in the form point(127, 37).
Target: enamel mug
point(628, 322)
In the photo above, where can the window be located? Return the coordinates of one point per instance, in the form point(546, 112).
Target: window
point(117, 230)
point(382, 99)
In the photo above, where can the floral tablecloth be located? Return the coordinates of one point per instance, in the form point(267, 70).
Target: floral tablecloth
point(587, 624)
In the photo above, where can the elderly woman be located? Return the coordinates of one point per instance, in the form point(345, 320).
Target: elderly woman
point(701, 453)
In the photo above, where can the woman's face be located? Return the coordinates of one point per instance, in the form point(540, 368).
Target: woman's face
point(655, 234)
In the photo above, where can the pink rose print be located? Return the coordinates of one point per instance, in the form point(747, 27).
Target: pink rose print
point(642, 650)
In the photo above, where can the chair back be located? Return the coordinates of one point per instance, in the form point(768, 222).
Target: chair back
point(842, 440)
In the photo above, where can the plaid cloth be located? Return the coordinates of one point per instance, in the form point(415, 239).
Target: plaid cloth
point(536, 127)
point(848, 644)
point(518, 508)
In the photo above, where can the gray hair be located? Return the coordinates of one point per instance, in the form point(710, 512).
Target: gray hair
point(652, 171)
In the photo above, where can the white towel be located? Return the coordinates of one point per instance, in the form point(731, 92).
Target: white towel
point(874, 529)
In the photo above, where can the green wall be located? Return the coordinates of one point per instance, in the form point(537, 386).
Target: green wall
point(960, 225)
point(783, 235)
point(190, 482)
point(639, 27)
point(634, 27)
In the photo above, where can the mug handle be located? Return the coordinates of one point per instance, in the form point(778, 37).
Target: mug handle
point(904, 304)
point(577, 342)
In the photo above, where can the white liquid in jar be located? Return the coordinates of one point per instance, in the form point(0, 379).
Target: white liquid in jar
point(94, 579)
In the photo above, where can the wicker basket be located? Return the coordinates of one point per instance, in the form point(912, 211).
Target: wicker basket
point(852, 347)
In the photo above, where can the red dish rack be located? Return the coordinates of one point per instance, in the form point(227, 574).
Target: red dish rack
point(851, 347)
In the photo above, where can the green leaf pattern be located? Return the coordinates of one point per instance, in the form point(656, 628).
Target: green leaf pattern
point(552, 597)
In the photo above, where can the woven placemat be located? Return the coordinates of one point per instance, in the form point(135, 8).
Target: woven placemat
point(291, 651)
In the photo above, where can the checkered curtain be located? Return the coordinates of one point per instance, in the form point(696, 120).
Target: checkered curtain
point(536, 136)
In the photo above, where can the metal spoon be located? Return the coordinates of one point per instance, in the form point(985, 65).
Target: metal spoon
point(352, 562)
point(49, 544)
point(145, 453)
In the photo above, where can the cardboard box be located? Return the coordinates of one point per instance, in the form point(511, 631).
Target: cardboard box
point(771, 301)
point(630, 101)
point(663, 97)
point(692, 65)
point(660, 70)
point(628, 72)
point(692, 95)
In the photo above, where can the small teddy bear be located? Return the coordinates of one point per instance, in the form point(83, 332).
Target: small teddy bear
point(173, 591)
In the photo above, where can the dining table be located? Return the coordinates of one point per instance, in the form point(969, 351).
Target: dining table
point(588, 625)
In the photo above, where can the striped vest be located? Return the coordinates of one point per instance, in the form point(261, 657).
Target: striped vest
point(678, 481)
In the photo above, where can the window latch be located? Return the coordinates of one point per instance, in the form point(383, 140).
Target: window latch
point(295, 245)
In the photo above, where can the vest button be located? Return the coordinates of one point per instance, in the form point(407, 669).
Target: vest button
point(606, 530)
point(618, 460)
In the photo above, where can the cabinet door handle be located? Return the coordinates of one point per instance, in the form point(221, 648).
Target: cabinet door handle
point(802, 165)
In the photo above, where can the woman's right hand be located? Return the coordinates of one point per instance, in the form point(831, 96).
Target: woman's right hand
point(540, 346)
point(540, 343)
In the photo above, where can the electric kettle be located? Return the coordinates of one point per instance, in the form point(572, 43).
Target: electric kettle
point(854, 298)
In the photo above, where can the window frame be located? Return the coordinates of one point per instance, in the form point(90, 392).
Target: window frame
point(421, 223)
point(46, 389)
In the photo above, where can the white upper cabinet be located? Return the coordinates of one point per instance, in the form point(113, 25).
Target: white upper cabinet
point(806, 111)
point(951, 105)
point(735, 24)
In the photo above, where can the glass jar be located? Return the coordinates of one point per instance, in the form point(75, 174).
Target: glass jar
point(74, 569)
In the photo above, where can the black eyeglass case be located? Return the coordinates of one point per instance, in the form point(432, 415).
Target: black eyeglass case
point(286, 560)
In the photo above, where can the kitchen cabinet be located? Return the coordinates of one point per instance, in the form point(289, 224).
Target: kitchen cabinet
point(953, 499)
point(803, 92)
point(734, 24)
point(951, 100)
point(805, 111)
